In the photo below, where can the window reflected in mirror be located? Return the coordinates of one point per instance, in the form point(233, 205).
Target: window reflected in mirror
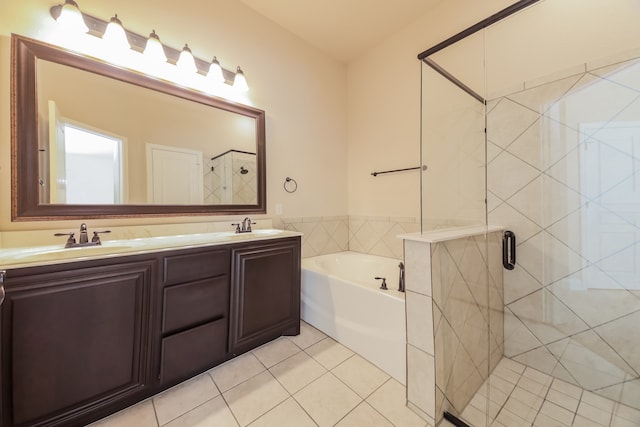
point(90, 170)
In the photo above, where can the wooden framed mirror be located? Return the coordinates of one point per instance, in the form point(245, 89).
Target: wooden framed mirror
point(92, 140)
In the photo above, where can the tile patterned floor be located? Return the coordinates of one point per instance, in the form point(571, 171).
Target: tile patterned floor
point(520, 396)
point(306, 380)
point(312, 380)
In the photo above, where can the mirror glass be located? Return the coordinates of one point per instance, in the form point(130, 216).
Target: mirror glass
point(109, 142)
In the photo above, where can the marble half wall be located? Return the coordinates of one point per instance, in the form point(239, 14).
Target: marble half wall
point(454, 303)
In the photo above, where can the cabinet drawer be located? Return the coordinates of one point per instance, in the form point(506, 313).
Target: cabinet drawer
point(193, 303)
point(195, 266)
point(193, 351)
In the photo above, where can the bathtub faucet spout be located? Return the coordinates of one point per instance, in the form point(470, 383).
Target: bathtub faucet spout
point(383, 286)
point(401, 278)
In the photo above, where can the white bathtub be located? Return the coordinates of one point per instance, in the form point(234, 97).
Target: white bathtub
point(341, 298)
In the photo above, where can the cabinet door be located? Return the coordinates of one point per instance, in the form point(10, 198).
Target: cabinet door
point(265, 293)
point(74, 341)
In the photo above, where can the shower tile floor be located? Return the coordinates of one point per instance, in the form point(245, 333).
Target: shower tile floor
point(521, 396)
point(312, 380)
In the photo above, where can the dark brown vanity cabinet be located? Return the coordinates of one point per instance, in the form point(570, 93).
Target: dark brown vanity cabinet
point(265, 298)
point(75, 340)
point(195, 313)
point(84, 339)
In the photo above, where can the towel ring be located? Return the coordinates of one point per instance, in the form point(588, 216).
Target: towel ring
point(290, 188)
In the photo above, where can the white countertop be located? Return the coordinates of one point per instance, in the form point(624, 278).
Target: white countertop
point(450, 233)
point(55, 254)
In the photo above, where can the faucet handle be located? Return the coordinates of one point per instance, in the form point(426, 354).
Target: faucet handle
point(248, 230)
point(383, 286)
point(70, 241)
point(237, 228)
point(96, 239)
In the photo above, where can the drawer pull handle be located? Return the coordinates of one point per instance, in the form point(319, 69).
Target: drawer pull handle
point(3, 273)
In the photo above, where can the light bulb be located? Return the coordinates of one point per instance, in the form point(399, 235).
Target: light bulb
point(186, 63)
point(115, 35)
point(215, 74)
point(153, 51)
point(240, 82)
point(71, 19)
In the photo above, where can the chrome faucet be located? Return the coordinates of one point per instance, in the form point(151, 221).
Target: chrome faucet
point(244, 226)
point(401, 277)
point(83, 233)
point(84, 237)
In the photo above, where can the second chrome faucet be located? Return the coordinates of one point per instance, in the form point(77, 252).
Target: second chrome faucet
point(244, 226)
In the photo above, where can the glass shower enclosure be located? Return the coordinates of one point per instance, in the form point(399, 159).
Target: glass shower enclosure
point(539, 135)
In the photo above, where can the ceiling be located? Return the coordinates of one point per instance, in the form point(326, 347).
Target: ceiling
point(342, 28)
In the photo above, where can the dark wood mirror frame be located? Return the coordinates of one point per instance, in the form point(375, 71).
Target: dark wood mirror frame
point(25, 204)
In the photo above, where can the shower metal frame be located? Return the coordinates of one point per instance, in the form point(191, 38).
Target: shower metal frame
point(496, 17)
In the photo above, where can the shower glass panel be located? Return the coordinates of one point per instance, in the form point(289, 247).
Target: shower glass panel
point(573, 303)
point(562, 165)
point(453, 149)
point(466, 300)
point(563, 130)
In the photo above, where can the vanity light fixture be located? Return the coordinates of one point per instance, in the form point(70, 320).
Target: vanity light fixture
point(215, 72)
point(70, 18)
point(156, 55)
point(115, 34)
point(186, 63)
point(240, 82)
point(153, 50)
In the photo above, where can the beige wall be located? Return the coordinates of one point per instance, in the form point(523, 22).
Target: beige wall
point(384, 109)
point(302, 90)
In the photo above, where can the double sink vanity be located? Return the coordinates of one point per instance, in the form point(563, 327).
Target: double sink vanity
point(87, 331)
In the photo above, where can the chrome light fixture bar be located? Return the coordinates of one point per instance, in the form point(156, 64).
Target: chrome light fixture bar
point(97, 27)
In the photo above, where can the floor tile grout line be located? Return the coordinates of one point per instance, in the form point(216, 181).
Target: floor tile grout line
point(224, 399)
point(376, 409)
point(265, 413)
point(155, 412)
point(303, 408)
point(195, 407)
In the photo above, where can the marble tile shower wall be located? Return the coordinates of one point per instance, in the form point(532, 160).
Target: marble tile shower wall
point(372, 235)
point(564, 175)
